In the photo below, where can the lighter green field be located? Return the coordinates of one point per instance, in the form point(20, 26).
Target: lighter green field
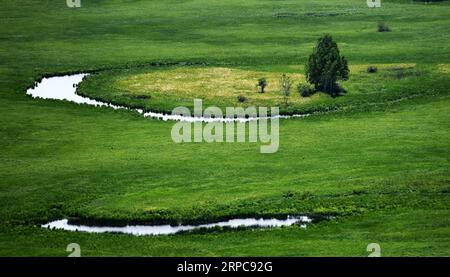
point(378, 158)
point(164, 89)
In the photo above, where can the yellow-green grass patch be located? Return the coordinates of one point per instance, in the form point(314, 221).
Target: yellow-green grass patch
point(212, 84)
point(163, 89)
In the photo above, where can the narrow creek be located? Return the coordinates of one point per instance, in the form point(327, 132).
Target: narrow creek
point(142, 230)
point(65, 88)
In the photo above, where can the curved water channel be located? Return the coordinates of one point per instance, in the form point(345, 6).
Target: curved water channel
point(142, 230)
point(65, 88)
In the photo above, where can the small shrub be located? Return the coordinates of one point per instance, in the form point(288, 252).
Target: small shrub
point(242, 98)
point(372, 69)
point(262, 83)
point(383, 28)
point(285, 87)
point(306, 90)
point(358, 192)
point(143, 97)
point(288, 194)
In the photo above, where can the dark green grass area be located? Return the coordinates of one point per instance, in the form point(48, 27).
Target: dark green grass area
point(380, 163)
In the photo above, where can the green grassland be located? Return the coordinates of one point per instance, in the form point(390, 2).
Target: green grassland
point(378, 161)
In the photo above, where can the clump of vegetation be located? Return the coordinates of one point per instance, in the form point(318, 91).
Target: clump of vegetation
point(285, 87)
point(400, 72)
point(326, 66)
point(242, 98)
point(288, 194)
point(383, 27)
point(321, 14)
point(372, 69)
point(306, 195)
point(306, 90)
point(285, 14)
point(143, 97)
point(262, 83)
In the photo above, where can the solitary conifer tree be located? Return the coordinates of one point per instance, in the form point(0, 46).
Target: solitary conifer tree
point(325, 66)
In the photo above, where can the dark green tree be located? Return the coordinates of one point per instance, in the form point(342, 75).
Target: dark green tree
point(325, 66)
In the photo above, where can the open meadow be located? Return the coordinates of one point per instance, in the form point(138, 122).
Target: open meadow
point(373, 164)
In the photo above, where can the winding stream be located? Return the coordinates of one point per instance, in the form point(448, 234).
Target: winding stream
point(65, 87)
point(141, 230)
